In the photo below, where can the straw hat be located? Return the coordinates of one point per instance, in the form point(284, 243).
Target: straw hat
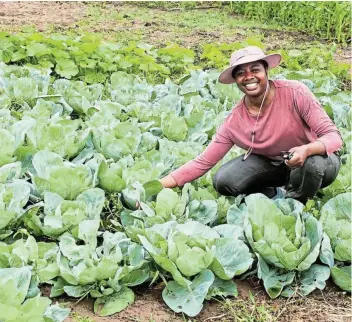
point(247, 55)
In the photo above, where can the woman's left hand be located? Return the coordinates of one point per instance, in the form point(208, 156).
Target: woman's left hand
point(300, 154)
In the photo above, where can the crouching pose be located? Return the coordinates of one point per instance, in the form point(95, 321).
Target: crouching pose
point(287, 135)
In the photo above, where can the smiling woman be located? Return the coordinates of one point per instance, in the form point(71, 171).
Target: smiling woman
point(253, 87)
point(273, 116)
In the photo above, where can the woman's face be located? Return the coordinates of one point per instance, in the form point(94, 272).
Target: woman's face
point(251, 78)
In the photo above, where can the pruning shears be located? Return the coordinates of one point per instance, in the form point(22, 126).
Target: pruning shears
point(287, 155)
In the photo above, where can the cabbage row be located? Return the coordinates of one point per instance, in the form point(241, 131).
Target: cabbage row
point(81, 208)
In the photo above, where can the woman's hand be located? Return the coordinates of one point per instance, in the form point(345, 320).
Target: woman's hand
point(168, 182)
point(300, 154)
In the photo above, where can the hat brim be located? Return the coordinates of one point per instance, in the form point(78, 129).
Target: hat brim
point(273, 61)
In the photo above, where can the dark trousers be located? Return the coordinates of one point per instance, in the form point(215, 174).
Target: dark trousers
point(259, 174)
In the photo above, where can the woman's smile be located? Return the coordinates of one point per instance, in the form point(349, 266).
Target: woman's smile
point(251, 78)
point(251, 86)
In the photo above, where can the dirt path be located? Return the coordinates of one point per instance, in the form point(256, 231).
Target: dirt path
point(21, 16)
point(251, 305)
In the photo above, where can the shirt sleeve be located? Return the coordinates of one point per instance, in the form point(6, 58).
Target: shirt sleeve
point(212, 154)
point(317, 119)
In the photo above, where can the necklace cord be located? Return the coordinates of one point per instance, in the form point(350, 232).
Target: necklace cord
point(249, 151)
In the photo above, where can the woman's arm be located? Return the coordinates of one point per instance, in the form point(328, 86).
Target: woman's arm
point(317, 119)
point(197, 167)
point(329, 138)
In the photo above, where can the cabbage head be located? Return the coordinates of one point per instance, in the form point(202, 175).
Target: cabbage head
point(281, 233)
point(64, 178)
point(336, 219)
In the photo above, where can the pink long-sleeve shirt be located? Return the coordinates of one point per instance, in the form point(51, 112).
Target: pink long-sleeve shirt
point(293, 118)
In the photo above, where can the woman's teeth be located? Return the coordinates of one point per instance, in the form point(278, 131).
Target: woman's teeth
point(251, 86)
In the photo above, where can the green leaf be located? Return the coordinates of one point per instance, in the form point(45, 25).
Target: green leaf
point(232, 257)
point(15, 283)
point(109, 178)
point(164, 262)
point(313, 278)
point(188, 300)
point(152, 188)
point(174, 128)
point(342, 277)
point(58, 288)
point(196, 229)
point(55, 313)
point(48, 273)
point(136, 277)
point(77, 291)
point(37, 49)
point(203, 211)
point(336, 220)
point(168, 203)
point(66, 68)
point(274, 279)
point(326, 253)
point(114, 303)
point(222, 289)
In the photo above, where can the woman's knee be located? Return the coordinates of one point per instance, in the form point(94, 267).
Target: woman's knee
point(224, 184)
point(307, 180)
point(313, 167)
point(333, 164)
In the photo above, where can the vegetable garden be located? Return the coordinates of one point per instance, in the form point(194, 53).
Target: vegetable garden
point(89, 125)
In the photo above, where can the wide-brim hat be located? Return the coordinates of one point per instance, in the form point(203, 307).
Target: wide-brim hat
point(247, 55)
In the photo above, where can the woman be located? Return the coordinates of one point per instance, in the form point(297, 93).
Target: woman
point(274, 116)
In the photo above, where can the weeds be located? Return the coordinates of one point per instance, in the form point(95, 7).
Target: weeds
point(248, 310)
point(328, 19)
point(79, 318)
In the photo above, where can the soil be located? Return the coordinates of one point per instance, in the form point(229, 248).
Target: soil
point(330, 305)
point(19, 15)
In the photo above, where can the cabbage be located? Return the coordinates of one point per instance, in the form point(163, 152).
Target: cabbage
point(64, 178)
point(286, 240)
point(336, 220)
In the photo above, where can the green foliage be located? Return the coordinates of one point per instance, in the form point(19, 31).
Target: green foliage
point(90, 59)
point(336, 220)
point(21, 306)
point(328, 19)
point(342, 276)
point(80, 164)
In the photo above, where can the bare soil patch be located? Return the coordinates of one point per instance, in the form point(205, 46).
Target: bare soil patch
point(251, 305)
point(16, 15)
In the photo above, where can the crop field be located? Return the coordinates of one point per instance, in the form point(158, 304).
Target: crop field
point(99, 100)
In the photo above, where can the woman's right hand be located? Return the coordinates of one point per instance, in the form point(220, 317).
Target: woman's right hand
point(168, 182)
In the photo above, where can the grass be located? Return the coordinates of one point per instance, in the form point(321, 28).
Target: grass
point(162, 22)
point(248, 310)
point(176, 24)
point(79, 318)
